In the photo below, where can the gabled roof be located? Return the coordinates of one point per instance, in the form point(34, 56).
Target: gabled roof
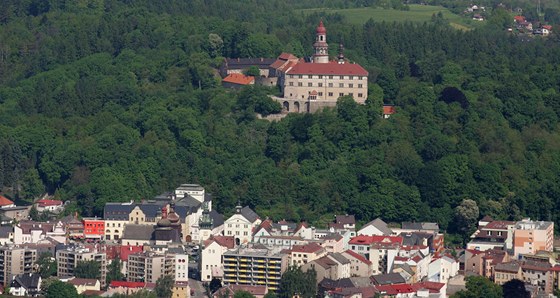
point(225, 241)
point(88, 282)
point(249, 214)
point(432, 226)
point(138, 232)
point(358, 256)
point(217, 218)
point(126, 250)
point(117, 211)
point(512, 267)
point(239, 79)
point(387, 279)
point(27, 281)
point(5, 201)
point(243, 63)
point(333, 236)
point(45, 203)
point(5, 231)
point(307, 248)
point(126, 284)
point(389, 110)
point(367, 240)
point(379, 224)
point(345, 219)
point(331, 68)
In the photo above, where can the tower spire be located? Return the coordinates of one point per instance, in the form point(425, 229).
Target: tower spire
point(321, 48)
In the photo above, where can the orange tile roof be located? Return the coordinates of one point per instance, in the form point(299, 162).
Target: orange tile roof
point(5, 201)
point(389, 110)
point(238, 78)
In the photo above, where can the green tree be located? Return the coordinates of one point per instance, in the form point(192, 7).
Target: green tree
point(466, 215)
point(164, 286)
point(253, 71)
point(296, 282)
point(47, 265)
point(515, 288)
point(479, 286)
point(114, 271)
point(32, 186)
point(60, 289)
point(88, 269)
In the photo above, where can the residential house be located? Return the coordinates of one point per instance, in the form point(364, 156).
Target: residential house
point(33, 232)
point(85, 284)
point(376, 227)
point(507, 271)
point(333, 242)
point(54, 206)
point(387, 279)
point(241, 224)
point(441, 269)
point(302, 254)
point(6, 203)
point(388, 111)
point(237, 80)
point(68, 258)
point(228, 291)
point(538, 274)
point(359, 265)
point(28, 284)
point(6, 235)
point(14, 260)
point(125, 287)
point(421, 289)
point(94, 228)
point(332, 266)
point(494, 234)
point(376, 249)
point(211, 256)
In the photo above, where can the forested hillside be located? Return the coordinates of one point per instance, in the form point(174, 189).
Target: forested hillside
point(118, 99)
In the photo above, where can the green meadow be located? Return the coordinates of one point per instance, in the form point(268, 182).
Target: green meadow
point(417, 13)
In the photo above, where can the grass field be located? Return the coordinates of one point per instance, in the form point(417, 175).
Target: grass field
point(417, 13)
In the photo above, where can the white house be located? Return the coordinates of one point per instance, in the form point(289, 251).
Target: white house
point(211, 256)
point(376, 227)
point(442, 269)
point(241, 224)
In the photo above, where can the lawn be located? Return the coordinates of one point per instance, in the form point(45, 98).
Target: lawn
point(417, 13)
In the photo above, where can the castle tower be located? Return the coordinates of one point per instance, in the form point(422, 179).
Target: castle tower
point(321, 54)
point(340, 54)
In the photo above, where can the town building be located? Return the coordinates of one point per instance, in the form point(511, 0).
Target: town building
point(532, 236)
point(211, 256)
point(15, 260)
point(493, 234)
point(85, 284)
point(332, 266)
point(54, 206)
point(94, 228)
point(375, 227)
point(68, 258)
point(302, 254)
point(241, 224)
point(310, 86)
point(254, 266)
point(28, 285)
point(149, 266)
point(359, 265)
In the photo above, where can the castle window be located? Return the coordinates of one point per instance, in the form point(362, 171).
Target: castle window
point(351, 94)
point(309, 76)
point(330, 84)
point(360, 95)
point(341, 85)
point(320, 93)
point(360, 78)
point(331, 77)
point(340, 94)
point(300, 84)
point(300, 76)
point(331, 94)
point(291, 83)
point(351, 77)
point(351, 85)
point(309, 84)
point(320, 76)
point(291, 76)
point(320, 84)
point(360, 85)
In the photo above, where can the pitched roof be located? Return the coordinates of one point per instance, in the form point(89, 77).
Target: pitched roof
point(420, 226)
point(238, 78)
point(367, 240)
point(379, 224)
point(117, 211)
point(358, 256)
point(243, 63)
point(225, 241)
point(138, 232)
point(339, 258)
point(331, 68)
point(5, 201)
point(387, 279)
point(345, 219)
point(307, 248)
point(499, 224)
point(126, 250)
point(126, 284)
point(5, 231)
point(83, 281)
point(512, 266)
point(249, 214)
point(389, 110)
point(217, 218)
point(45, 203)
point(27, 280)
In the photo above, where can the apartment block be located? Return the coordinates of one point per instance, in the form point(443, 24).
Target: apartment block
point(250, 266)
point(532, 236)
point(15, 260)
point(150, 266)
point(67, 259)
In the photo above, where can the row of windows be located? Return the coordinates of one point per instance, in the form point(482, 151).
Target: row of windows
point(237, 233)
point(237, 226)
point(340, 85)
point(331, 94)
point(331, 77)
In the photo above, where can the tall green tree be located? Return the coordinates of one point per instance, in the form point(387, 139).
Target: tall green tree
point(296, 282)
point(479, 286)
point(47, 265)
point(88, 269)
point(60, 289)
point(164, 286)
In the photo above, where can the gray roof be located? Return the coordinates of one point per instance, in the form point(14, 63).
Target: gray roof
point(217, 218)
point(512, 266)
point(138, 232)
point(249, 214)
point(27, 281)
point(380, 225)
point(420, 226)
point(405, 267)
point(117, 211)
point(388, 279)
point(339, 258)
point(150, 210)
point(5, 231)
point(415, 238)
point(243, 63)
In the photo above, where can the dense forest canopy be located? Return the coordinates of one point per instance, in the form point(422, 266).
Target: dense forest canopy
point(117, 100)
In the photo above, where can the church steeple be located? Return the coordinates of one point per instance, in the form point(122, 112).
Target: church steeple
point(321, 53)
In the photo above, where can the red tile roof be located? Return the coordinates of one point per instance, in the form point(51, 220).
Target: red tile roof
point(358, 256)
point(307, 248)
point(498, 224)
point(226, 241)
point(433, 287)
point(389, 110)
point(238, 78)
point(45, 203)
point(366, 240)
point(519, 18)
point(83, 281)
point(5, 201)
point(332, 68)
point(547, 27)
point(126, 284)
point(127, 250)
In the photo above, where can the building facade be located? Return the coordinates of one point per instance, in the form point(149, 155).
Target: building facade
point(67, 259)
point(15, 260)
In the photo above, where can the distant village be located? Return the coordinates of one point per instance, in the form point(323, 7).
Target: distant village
point(180, 234)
